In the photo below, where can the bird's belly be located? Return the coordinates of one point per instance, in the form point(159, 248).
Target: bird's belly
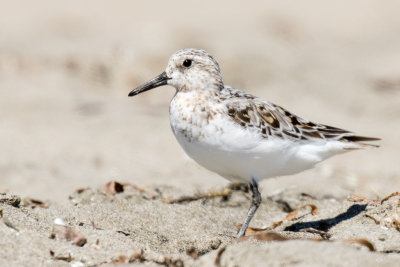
point(236, 161)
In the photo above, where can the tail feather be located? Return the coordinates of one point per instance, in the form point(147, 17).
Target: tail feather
point(357, 138)
point(358, 141)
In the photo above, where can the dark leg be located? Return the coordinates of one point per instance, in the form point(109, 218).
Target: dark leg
point(255, 203)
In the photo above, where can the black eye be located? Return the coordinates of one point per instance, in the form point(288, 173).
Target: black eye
point(187, 63)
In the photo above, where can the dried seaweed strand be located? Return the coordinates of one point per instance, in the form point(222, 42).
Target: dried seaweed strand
point(358, 198)
point(140, 189)
point(390, 196)
point(360, 241)
point(217, 261)
point(224, 193)
point(324, 235)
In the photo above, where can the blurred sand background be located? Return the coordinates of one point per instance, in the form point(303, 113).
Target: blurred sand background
point(66, 69)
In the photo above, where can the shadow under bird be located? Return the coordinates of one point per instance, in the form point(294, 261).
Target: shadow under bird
point(237, 135)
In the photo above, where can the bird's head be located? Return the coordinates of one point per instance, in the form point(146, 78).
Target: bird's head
point(187, 69)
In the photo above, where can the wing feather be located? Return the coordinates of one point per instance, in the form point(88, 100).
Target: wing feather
point(274, 121)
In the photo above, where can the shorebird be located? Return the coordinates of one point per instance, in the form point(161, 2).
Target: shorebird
point(239, 136)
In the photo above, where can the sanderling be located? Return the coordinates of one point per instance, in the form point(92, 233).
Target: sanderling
point(239, 136)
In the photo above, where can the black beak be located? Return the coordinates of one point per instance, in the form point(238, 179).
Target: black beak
point(160, 80)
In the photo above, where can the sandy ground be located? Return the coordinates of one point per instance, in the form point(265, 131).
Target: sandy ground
point(66, 123)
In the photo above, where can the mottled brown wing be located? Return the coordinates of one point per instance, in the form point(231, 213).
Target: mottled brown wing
point(262, 116)
point(316, 130)
point(273, 120)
